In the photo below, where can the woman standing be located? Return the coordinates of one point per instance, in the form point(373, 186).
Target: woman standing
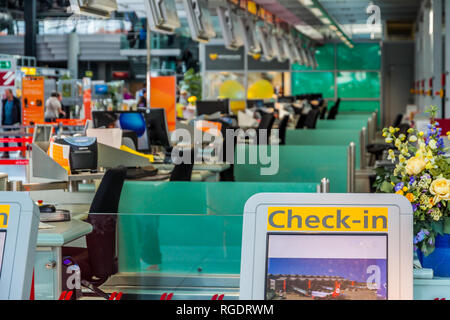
point(53, 108)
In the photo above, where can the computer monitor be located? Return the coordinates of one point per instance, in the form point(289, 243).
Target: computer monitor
point(286, 99)
point(211, 107)
point(125, 120)
point(158, 133)
point(269, 105)
point(42, 133)
point(255, 103)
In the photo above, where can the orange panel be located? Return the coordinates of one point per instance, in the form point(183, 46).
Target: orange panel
point(163, 95)
point(32, 100)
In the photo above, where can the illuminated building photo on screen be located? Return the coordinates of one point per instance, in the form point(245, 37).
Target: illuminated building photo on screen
point(315, 267)
point(2, 247)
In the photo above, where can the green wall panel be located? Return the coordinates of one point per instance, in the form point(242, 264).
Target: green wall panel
point(325, 59)
point(358, 84)
point(364, 56)
point(308, 82)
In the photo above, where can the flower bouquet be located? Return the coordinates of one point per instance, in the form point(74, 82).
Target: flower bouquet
point(422, 175)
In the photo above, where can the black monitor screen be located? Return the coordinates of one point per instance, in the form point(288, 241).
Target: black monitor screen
point(255, 104)
point(269, 105)
point(286, 99)
point(125, 120)
point(210, 107)
point(326, 267)
point(157, 125)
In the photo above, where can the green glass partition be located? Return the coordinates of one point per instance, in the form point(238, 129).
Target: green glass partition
point(358, 84)
point(297, 164)
point(188, 228)
point(326, 137)
point(307, 82)
point(179, 244)
point(197, 197)
point(350, 106)
point(342, 124)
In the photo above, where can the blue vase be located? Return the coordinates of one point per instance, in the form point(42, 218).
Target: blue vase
point(439, 260)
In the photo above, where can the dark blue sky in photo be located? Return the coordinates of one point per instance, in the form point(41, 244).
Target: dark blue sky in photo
point(351, 269)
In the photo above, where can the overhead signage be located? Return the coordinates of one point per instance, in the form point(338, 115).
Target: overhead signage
point(219, 58)
point(5, 64)
point(327, 247)
point(257, 63)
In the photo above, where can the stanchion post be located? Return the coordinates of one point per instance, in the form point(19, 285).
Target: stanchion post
point(351, 168)
point(363, 161)
point(325, 185)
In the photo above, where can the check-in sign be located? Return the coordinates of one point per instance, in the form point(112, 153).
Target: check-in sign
point(4, 216)
point(337, 219)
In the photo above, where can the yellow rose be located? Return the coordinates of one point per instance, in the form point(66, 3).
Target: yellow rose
point(441, 189)
point(414, 166)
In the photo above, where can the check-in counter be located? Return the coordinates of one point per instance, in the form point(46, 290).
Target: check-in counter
point(184, 237)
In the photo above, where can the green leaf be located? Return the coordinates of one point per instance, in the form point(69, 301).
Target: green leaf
point(386, 187)
point(446, 224)
point(438, 227)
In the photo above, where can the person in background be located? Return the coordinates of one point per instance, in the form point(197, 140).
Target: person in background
point(131, 37)
point(11, 113)
point(53, 108)
point(184, 95)
point(143, 37)
point(142, 103)
point(127, 95)
point(65, 109)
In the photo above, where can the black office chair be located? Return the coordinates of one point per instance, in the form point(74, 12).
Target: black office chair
point(301, 121)
point(98, 261)
point(183, 171)
point(311, 119)
point(228, 174)
point(398, 120)
point(334, 110)
point(282, 129)
point(323, 112)
point(266, 123)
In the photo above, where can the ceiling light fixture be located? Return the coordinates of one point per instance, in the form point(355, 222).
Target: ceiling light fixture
point(319, 11)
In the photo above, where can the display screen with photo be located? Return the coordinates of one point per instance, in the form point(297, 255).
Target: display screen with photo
point(311, 267)
point(2, 247)
point(134, 121)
